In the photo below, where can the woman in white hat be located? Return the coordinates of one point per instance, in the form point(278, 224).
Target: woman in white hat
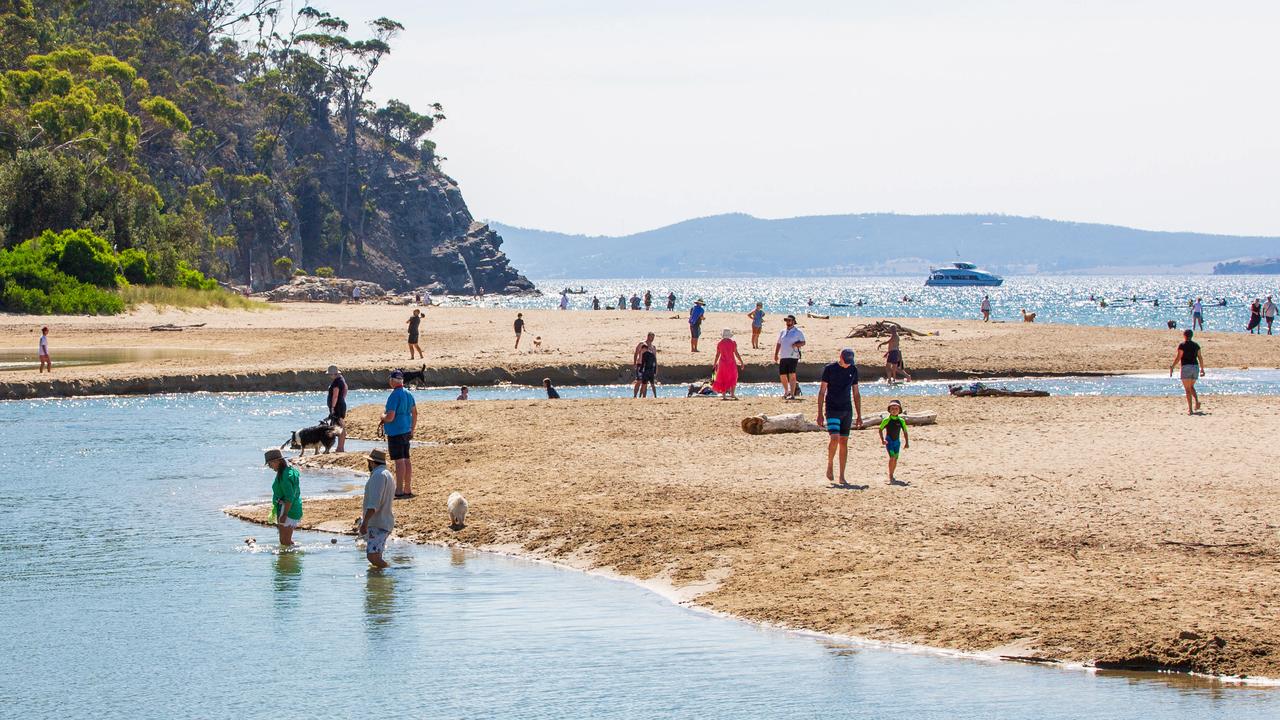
point(727, 364)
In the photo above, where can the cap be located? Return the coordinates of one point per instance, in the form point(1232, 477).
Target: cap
point(847, 355)
point(792, 318)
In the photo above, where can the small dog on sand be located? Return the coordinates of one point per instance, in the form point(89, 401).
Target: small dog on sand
point(1028, 317)
point(325, 434)
point(457, 510)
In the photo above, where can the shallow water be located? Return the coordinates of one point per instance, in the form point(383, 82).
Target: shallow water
point(63, 357)
point(1057, 299)
point(125, 592)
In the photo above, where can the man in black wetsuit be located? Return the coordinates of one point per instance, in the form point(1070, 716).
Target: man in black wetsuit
point(337, 400)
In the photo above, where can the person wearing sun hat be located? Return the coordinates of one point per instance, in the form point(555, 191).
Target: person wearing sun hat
point(891, 426)
point(696, 313)
point(726, 366)
point(286, 496)
point(377, 520)
point(839, 408)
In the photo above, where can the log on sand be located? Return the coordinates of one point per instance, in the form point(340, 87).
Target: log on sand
point(881, 329)
point(962, 391)
point(795, 422)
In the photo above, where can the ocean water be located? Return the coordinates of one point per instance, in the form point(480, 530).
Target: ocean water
point(125, 592)
point(1131, 300)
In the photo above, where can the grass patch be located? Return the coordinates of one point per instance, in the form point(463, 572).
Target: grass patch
point(181, 297)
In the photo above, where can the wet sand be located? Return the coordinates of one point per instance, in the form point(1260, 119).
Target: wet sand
point(1112, 531)
point(288, 347)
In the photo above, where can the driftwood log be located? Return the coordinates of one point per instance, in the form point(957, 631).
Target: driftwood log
point(981, 391)
point(796, 422)
point(170, 327)
point(881, 329)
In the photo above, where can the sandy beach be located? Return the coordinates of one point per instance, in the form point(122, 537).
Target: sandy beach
point(288, 347)
point(1113, 531)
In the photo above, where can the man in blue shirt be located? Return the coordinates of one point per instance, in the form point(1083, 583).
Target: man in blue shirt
point(695, 323)
point(399, 422)
point(838, 402)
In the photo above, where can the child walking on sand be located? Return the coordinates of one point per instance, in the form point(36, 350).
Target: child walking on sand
point(890, 428)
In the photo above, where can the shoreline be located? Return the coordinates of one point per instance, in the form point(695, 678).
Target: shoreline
point(681, 597)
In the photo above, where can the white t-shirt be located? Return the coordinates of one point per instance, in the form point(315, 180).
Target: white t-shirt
point(378, 493)
point(44, 344)
point(986, 304)
point(788, 339)
point(1197, 308)
point(1268, 309)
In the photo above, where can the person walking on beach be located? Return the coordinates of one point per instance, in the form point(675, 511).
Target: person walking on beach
point(622, 301)
point(645, 360)
point(337, 401)
point(378, 520)
point(1192, 363)
point(893, 357)
point(551, 392)
point(727, 364)
point(519, 327)
point(839, 409)
point(787, 354)
point(1255, 317)
point(414, 321)
point(399, 422)
point(890, 427)
point(648, 300)
point(1269, 313)
point(695, 323)
point(46, 365)
point(1197, 314)
point(286, 497)
point(671, 301)
point(355, 294)
point(986, 309)
point(757, 324)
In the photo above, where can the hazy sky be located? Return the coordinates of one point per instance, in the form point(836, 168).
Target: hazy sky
point(613, 117)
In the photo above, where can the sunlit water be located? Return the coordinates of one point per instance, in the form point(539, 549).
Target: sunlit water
point(126, 593)
point(1057, 299)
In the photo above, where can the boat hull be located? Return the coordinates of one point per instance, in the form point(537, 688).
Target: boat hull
point(948, 282)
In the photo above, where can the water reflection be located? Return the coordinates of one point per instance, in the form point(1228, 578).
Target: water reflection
point(286, 576)
point(379, 600)
point(457, 556)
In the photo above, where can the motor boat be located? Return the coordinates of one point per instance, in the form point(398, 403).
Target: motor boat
point(962, 274)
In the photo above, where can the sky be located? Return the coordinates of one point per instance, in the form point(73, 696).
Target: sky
point(604, 117)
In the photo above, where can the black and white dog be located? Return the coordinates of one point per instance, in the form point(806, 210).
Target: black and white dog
point(417, 378)
point(325, 433)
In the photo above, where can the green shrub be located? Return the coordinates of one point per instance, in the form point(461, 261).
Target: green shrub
point(325, 272)
point(84, 256)
point(136, 268)
point(189, 277)
point(284, 266)
point(299, 272)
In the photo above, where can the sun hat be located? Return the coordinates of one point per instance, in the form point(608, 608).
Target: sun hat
point(377, 456)
point(333, 370)
point(698, 302)
point(896, 402)
point(847, 355)
point(792, 318)
point(272, 454)
point(726, 333)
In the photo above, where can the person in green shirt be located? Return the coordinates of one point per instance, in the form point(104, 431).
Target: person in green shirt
point(286, 497)
point(890, 427)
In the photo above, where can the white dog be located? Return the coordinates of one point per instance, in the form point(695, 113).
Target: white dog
point(457, 509)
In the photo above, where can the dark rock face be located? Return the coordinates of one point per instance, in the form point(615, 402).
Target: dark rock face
point(1269, 266)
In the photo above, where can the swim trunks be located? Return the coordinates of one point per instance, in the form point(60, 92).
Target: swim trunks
point(894, 447)
point(1190, 372)
point(376, 540)
point(398, 446)
point(695, 330)
point(840, 424)
point(895, 357)
point(787, 366)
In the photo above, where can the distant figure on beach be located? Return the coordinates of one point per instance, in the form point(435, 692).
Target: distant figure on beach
point(286, 496)
point(635, 301)
point(1191, 360)
point(839, 408)
point(622, 302)
point(551, 392)
point(893, 357)
point(378, 520)
point(519, 328)
point(727, 364)
point(695, 323)
point(671, 301)
point(1197, 314)
point(595, 302)
point(463, 393)
point(890, 427)
point(757, 324)
point(564, 299)
point(645, 360)
point(1255, 317)
point(787, 353)
point(399, 422)
point(355, 293)
point(648, 300)
point(1269, 313)
point(414, 322)
point(986, 309)
point(337, 401)
point(46, 365)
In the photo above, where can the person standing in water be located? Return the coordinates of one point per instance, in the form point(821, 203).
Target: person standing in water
point(1269, 313)
point(551, 391)
point(695, 323)
point(46, 365)
point(399, 422)
point(414, 321)
point(648, 300)
point(564, 299)
point(671, 301)
point(1191, 360)
point(839, 409)
point(519, 327)
point(378, 520)
point(286, 496)
point(337, 401)
point(645, 360)
point(787, 354)
point(595, 302)
point(1255, 317)
point(1197, 314)
point(757, 324)
point(986, 309)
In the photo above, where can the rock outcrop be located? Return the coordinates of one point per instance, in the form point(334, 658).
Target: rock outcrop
point(309, 288)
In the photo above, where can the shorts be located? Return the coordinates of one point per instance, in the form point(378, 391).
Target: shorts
point(787, 366)
point(398, 446)
point(695, 331)
point(1197, 316)
point(291, 522)
point(413, 339)
point(646, 374)
point(339, 411)
point(840, 423)
point(1190, 372)
point(893, 447)
point(375, 541)
point(894, 357)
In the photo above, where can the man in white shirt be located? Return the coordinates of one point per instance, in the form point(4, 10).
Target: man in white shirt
point(45, 363)
point(787, 354)
point(1269, 313)
point(377, 522)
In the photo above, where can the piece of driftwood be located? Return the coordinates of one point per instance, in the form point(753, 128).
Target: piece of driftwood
point(919, 417)
point(881, 329)
point(816, 316)
point(170, 327)
point(979, 390)
point(796, 422)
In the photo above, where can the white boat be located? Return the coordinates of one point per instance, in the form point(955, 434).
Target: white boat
point(962, 274)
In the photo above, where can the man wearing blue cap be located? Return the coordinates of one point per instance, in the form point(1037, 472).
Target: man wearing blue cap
point(399, 422)
point(839, 408)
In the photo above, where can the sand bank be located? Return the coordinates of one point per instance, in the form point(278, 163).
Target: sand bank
point(287, 348)
point(1112, 531)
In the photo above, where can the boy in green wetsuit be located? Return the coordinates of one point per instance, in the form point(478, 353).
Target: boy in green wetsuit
point(890, 428)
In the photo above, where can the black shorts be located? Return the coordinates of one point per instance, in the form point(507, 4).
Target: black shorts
point(339, 411)
point(398, 446)
point(413, 338)
point(840, 422)
point(787, 366)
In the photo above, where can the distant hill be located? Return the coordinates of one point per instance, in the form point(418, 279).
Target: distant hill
point(739, 244)
point(1269, 266)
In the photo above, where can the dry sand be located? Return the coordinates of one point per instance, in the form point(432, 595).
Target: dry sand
point(1117, 531)
point(288, 347)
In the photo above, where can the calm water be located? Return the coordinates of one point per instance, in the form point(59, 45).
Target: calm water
point(125, 593)
point(1058, 299)
point(28, 360)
